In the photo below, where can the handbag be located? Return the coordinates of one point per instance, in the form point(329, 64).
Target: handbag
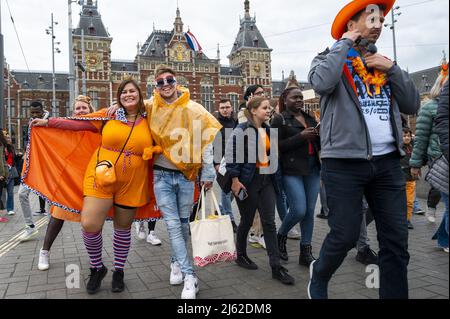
point(105, 172)
point(438, 175)
point(212, 237)
point(223, 177)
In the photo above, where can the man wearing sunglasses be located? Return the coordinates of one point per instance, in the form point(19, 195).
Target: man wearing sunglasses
point(179, 125)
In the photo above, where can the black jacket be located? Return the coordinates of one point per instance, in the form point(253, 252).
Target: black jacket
point(441, 120)
point(245, 169)
point(294, 150)
point(228, 125)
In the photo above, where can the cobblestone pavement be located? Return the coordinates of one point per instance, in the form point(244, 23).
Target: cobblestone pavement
point(148, 267)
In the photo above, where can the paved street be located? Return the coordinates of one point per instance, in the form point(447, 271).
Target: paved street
point(148, 267)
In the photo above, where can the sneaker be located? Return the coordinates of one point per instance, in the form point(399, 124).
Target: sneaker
point(29, 234)
point(42, 214)
point(431, 215)
point(95, 279)
point(4, 220)
point(176, 276)
point(253, 238)
point(446, 250)
point(117, 282)
point(419, 212)
point(43, 260)
point(245, 262)
point(140, 230)
point(294, 234)
point(190, 289)
point(153, 239)
point(261, 241)
point(280, 273)
point(367, 257)
point(410, 225)
point(316, 289)
point(11, 213)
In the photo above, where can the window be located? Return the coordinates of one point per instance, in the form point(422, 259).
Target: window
point(234, 101)
point(207, 93)
point(94, 99)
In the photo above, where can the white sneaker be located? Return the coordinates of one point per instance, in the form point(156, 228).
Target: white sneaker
point(11, 213)
point(261, 241)
point(43, 260)
point(190, 289)
point(294, 233)
point(29, 234)
point(446, 250)
point(153, 239)
point(253, 238)
point(431, 215)
point(140, 230)
point(176, 276)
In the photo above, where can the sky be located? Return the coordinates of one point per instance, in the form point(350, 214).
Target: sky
point(295, 30)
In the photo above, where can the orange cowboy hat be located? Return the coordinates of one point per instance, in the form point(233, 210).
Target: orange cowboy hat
point(349, 11)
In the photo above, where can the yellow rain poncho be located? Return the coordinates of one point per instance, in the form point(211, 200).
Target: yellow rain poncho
point(183, 129)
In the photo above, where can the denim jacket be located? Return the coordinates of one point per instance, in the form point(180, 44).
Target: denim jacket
point(208, 172)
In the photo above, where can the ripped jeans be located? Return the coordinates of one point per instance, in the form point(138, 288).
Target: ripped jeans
point(175, 197)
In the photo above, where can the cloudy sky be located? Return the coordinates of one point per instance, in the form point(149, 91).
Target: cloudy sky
point(295, 30)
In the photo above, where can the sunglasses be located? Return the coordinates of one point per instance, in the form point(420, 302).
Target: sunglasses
point(165, 81)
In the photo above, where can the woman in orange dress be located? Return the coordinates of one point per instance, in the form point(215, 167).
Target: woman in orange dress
point(127, 143)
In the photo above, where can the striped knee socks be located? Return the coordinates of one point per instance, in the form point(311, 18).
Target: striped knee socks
point(121, 243)
point(94, 245)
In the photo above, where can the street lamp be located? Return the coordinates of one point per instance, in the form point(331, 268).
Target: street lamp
point(392, 27)
point(51, 31)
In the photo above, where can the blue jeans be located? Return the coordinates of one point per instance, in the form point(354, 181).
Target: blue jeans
point(10, 195)
point(175, 197)
point(442, 234)
point(282, 203)
point(302, 193)
point(383, 183)
point(416, 204)
point(225, 204)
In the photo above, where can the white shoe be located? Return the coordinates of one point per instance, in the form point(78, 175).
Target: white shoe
point(294, 233)
point(431, 215)
point(153, 239)
point(140, 230)
point(446, 250)
point(253, 238)
point(29, 234)
point(11, 213)
point(176, 276)
point(261, 241)
point(190, 289)
point(43, 260)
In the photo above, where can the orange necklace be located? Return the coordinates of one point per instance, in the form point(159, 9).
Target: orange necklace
point(378, 79)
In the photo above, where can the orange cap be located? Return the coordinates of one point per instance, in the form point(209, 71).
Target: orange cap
point(349, 11)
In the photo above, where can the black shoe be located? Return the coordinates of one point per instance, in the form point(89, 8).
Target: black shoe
point(410, 225)
point(282, 247)
point(419, 212)
point(235, 227)
point(280, 273)
point(367, 257)
point(117, 282)
point(306, 257)
point(245, 262)
point(322, 215)
point(95, 279)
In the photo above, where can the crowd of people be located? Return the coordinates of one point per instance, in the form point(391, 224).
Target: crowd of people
point(359, 156)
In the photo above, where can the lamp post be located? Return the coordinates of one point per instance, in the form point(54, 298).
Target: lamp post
point(392, 27)
point(51, 31)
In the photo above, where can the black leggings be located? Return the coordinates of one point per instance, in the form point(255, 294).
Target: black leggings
point(434, 197)
point(261, 196)
point(53, 229)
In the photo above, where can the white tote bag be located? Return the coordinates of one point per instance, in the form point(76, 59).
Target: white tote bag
point(212, 237)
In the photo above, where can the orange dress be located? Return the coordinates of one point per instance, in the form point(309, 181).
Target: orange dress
point(59, 167)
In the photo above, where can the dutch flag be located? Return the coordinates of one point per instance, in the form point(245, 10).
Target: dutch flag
point(193, 43)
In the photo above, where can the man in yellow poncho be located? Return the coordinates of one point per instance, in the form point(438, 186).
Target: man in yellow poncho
point(185, 131)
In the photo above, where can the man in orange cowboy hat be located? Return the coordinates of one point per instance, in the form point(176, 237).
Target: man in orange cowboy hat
point(362, 95)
